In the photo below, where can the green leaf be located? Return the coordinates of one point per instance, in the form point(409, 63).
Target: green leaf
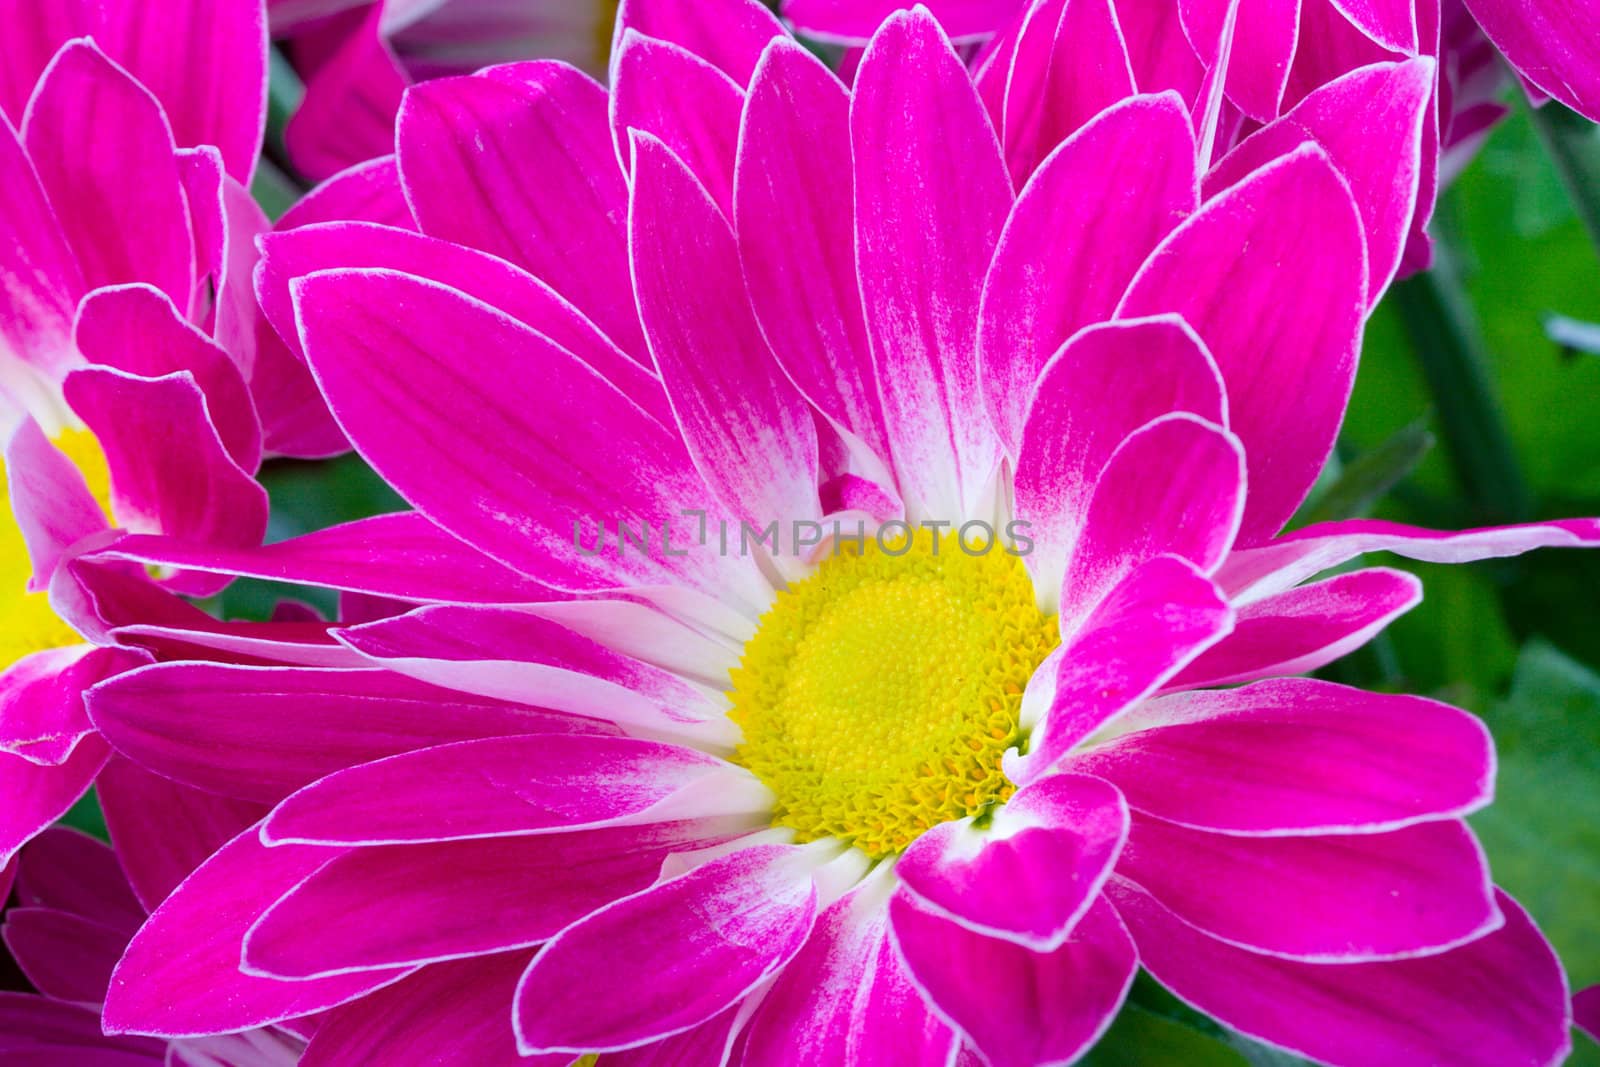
point(1141, 1038)
point(273, 190)
point(1363, 481)
point(86, 815)
point(1151, 997)
point(1573, 144)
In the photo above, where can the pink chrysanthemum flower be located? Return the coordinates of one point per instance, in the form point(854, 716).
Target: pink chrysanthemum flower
point(135, 386)
point(925, 787)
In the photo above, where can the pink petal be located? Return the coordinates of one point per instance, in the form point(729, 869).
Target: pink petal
point(41, 698)
point(1287, 352)
point(1391, 23)
point(348, 114)
point(1306, 627)
point(1551, 43)
point(670, 957)
point(1499, 1000)
point(294, 416)
point(1157, 619)
point(1107, 382)
point(728, 34)
point(1297, 756)
point(66, 1035)
point(833, 999)
point(287, 726)
point(1371, 123)
point(366, 192)
point(1322, 899)
point(931, 197)
point(181, 976)
point(162, 830)
point(50, 501)
point(64, 956)
point(729, 410)
point(121, 231)
point(467, 146)
point(1033, 873)
point(1017, 1006)
point(40, 281)
point(68, 871)
point(1263, 48)
point(1082, 226)
point(1158, 51)
point(1070, 64)
point(796, 225)
point(423, 903)
point(37, 796)
point(854, 21)
point(496, 787)
point(1586, 1011)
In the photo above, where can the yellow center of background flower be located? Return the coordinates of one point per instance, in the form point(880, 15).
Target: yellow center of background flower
point(879, 694)
point(27, 625)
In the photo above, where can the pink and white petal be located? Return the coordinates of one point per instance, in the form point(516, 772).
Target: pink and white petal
point(1390, 23)
point(181, 977)
point(833, 999)
point(1327, 898)
point(1265, 37)
point(977, 983)
point(1082, 226)
point(50, 501)
point(717, 1041)
point(682, 101)
point(235, 323)
point(1297, 756)
point(68, 871)
point(351, 100)
point(728, 34)
point(402, 1026)
point(647, 633)
point(1499, 1000)
point(796, 227)
point(64, 956)
point(401, 555)
point(854, 21)
point(1551, 43)
point(201, 171)
point(1287, 353)
point(137, 329)
point(1033, 872)
point(1286, 561)
point(749, 431)
point(366, 192)
point(41, 698)
point(40, 281)
point(1371, 123)
point(552, 447)
point(291, 643)
point(37, 796)
point(1161, 56)
point(466, 148)
point(670, 957)
point(506, 786)
point(1306, 627)
point(162, 830)
point(119, 231)
point(1152, 625)
point(931, 197)
point(1070, 64)
point(289, 726)
point(430, 902)
point(1106, 383)
point(1174, 487)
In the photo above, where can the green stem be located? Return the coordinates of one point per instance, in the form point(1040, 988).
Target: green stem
point(1573, 144)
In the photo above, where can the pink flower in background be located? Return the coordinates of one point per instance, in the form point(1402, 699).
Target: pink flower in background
point(357, 57)
point(1586, 1011)
point(138, 386)
point(691, 799)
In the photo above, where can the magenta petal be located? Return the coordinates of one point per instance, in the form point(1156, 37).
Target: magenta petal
point(419, 903)
point(832, 1001)
point(1586, 1011)
point(466, 148)
point(1370, 122)
point(41, 698)
point(50, 501)
point(163, 830)
point(1107, 382)
point(69, 871)
point(796, 225)
point(728, 34)
point(931, 196)
point(65, 956)
point(1499, 1000)
point(853, 21)
point(689, 285)
point(1303, 628)
point(37, 1032)
point(1082, 226)
point(121, 231)
point(1325, 899)
point(1554, 45)
point(1287, 352)
point(1158, 51)
point(1033, 873)
point(1017, 1006)
point(287, 726)
point(1263, 47)
point(40, 281)
point(348, 114)
point(181, 976)
point(1390, 23)
point(495, 787)
point(402, 1025)
point(1297, 756)
point(366, 192)
point(670, 957)
point(37, 796)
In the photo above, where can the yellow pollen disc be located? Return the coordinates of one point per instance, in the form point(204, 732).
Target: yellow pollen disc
point(27, 624)
point(879, 694)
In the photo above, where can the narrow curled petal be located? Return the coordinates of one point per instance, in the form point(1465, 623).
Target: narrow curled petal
point(1551, 43)
point(37, 796)
point(1499, 1000)
point(671, 957)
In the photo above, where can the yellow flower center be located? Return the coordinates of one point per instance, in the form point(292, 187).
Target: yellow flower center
point(879, 694)
point(27, 625)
